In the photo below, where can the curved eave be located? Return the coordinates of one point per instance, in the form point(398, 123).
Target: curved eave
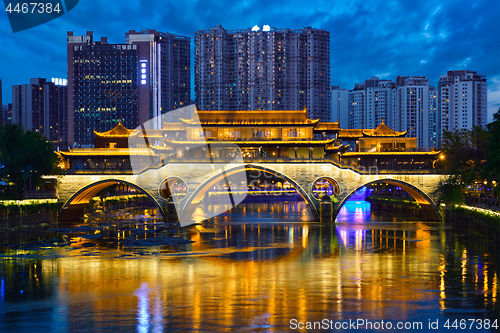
point(101, 135)
point(341, 148)
point(394, 135)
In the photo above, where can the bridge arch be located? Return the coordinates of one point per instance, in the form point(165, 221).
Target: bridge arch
point(429, 208)
point(333, 183)
point(76, 203)
point(193, 199)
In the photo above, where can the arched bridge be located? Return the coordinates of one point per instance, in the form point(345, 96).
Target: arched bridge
point(76, 190)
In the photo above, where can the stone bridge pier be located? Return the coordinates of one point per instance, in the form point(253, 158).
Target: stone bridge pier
point(75, 191)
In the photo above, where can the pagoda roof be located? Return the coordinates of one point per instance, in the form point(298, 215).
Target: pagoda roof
point(252, 118)
point(327, 126)
point(341, 148)
point(119, 131)
point(350, 133)
point(383, 130)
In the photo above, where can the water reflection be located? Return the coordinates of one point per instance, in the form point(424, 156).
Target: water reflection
point(255, 276)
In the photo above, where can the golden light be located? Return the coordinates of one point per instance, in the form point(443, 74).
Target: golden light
point(442, 157)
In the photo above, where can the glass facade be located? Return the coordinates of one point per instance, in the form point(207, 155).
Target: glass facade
point(105, 89)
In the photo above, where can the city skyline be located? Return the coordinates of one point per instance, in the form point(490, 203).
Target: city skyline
point(366, 39)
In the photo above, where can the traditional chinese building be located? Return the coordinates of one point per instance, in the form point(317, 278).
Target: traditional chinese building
point(257, 134)
point(284, 136)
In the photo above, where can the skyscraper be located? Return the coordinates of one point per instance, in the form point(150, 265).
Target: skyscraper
point(409, 104)
point(263, 69)
point(340, 106)
point(357, 106)
point(370, 102)
point(379, 101)
point(132, 82)
point(42, 107)
point(462, 101)
point(433, 118)
point(412, 108)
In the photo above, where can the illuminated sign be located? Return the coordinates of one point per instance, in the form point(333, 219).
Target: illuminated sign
point(255, 28)
point(266, 28)
point(144, 71)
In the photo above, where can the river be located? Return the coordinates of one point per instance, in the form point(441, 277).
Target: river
point(262, 267)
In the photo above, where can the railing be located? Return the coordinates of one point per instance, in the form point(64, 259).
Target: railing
point(483, 202)
point(411, 169)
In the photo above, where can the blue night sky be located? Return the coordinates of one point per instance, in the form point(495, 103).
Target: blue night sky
point(368, 38)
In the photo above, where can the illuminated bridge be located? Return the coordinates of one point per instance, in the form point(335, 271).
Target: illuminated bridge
point(200, 149)
point(75, 191)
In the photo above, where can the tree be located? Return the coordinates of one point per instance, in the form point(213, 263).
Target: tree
point(493, 163)
point(25, 155)
point(466, 153)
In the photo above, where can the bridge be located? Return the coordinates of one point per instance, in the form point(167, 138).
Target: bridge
point(76, 190)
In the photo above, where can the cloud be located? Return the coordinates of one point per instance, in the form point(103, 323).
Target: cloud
point(396, 37)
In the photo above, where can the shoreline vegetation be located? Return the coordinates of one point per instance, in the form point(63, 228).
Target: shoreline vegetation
point(29, 206)
point(481, 219)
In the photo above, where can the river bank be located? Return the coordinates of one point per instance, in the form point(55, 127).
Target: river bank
point(479, 219)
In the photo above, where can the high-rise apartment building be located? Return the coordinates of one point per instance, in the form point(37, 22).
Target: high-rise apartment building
point(263, 69)
point(462, 101)
point(433, 118)
point(370, 102)
point(408, 104)
point(7, 114)
point(340, 106)
point(357, 106)
point(379, 95)
point(42, 107)
point(412, 108)
point(131, 82)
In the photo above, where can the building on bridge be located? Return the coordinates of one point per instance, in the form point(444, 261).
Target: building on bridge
point(261, 136)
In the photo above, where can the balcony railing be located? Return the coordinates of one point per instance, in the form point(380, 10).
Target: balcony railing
point(409, 168)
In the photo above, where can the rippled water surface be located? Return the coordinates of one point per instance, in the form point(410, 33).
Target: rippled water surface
point(253, 269)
